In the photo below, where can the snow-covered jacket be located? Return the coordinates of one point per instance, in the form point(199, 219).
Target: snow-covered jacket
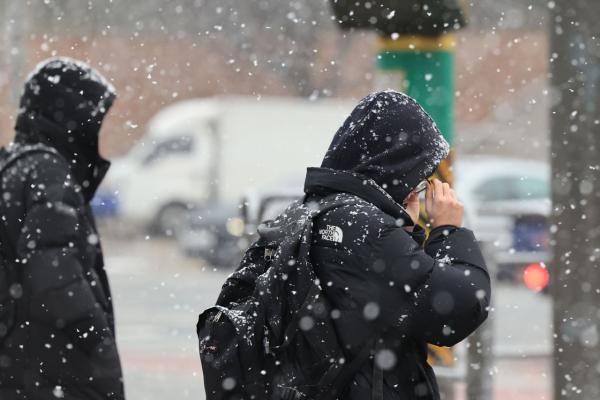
point(382, 280)
point(63, 343)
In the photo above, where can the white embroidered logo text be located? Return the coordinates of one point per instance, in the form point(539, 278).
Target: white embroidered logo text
point(332, 233)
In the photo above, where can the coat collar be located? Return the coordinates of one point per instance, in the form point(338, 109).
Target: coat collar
point(85, 163)
point(325, 180)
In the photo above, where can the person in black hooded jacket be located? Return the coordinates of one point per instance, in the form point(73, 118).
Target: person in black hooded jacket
point(388, 285)
point(61, 341)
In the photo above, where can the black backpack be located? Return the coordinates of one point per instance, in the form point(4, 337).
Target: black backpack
point(10, 281)
point(270, 336)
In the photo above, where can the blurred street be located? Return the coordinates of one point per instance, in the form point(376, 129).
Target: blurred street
point(210, 113)
point(158, 295)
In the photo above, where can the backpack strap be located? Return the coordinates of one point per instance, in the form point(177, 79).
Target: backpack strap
point(339, 382)
point(15, 151)
point(8, 255)
point(377, 392)
point(9, 156)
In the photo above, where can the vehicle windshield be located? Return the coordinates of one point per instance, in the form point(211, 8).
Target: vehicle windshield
point(513, 188)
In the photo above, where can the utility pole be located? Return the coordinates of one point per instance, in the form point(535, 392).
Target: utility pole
point(480, 350)
point(575, 78)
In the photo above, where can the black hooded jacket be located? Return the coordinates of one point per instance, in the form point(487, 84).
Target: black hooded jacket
point(384, 281)
point(63, 342)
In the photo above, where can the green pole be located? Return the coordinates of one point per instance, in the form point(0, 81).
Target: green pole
point(423, 68)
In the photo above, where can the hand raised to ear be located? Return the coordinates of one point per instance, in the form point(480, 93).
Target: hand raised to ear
point(442, 205)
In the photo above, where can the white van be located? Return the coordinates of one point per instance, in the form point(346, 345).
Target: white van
point(216, 149)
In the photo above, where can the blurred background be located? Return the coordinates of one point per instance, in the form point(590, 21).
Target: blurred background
point(222, 105)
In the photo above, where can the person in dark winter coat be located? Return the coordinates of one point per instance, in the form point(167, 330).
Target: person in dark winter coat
point(62, 342)
point(386, 283)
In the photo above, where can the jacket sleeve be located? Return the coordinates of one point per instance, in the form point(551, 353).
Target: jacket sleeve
point(454, 301)
point(50, 250)
point(447, 282)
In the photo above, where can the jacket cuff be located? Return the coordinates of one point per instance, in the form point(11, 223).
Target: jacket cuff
point(442, 230)
point(436, 238)
point(418, 234)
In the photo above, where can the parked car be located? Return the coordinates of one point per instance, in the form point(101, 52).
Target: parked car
point(201, 152)
point(214, 233)
point(260, 207)
point(220, 233)
point(507, 204)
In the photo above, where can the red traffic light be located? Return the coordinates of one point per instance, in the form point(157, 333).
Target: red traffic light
point(536, 276)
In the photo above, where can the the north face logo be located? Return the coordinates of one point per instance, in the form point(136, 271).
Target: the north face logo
point(332, 233)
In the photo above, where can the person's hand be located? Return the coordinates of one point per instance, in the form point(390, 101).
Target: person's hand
point(412, 206)
point(442, 205)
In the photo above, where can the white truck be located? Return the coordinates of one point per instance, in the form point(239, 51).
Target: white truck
point(214, 150)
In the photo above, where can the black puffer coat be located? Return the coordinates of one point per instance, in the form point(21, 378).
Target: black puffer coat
point(384, 281)
point(63, 342)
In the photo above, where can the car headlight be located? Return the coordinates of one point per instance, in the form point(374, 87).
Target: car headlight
point(235, 227)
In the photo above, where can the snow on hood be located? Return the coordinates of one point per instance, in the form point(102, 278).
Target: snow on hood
point(63, 105)
point(389, 138)
point(99, 90)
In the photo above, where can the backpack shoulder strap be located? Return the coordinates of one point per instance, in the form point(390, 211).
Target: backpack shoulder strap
point(339, 383)
point(9, 155)
point(14, 151)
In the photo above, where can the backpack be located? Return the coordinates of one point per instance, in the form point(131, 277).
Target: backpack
point(270, 335)
point(10, 287)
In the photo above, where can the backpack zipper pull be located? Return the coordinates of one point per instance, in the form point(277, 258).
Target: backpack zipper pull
point(266, 342)
point(218, 316)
